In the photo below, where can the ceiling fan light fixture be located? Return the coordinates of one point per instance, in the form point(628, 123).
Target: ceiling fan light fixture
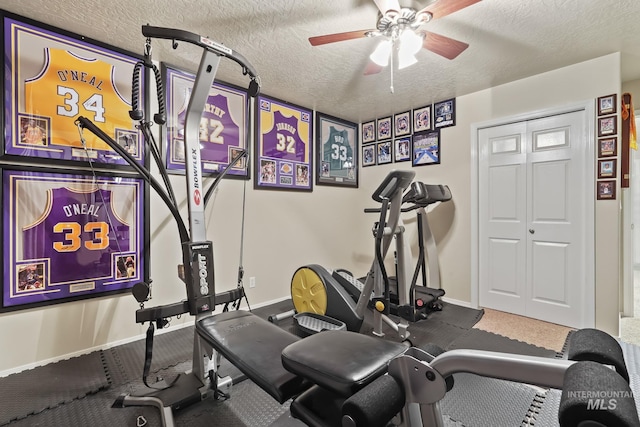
point(410, 42)
point(381, 55)
point(406, 60)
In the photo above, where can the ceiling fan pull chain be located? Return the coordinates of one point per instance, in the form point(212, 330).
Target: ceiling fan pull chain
point(393, 45)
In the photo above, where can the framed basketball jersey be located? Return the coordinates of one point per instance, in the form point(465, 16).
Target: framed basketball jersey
point(223, 125)
point(283, 145)
point(70, 236)
point(337, 151)
point(54, 77)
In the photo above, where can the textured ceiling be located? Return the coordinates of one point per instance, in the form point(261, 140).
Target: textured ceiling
point(509, 40)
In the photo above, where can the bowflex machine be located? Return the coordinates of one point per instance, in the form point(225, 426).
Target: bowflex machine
point(337, 378)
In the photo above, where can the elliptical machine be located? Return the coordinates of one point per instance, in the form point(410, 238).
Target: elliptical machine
point(338, 295)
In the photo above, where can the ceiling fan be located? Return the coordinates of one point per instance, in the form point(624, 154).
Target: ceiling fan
point(400, 27)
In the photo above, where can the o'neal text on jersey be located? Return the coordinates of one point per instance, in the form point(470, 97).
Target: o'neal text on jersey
point(80, 76)
point(81, 209)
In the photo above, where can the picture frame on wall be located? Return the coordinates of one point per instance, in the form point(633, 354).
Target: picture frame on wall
point(606, 190)
point(426, 148)
point(402, 149)
point(402, 124)
point(422, 118)
point(607, 168)
point(223, 131)
point(284, 148)
point(384, 128)
point(607, 125)
point(52, 78)
point(608, 147)
point(337, 151)
point(444, 113)
point(607, 104)
point(368, 132)
point(384, 152)
point(369, 155)
point(94, 226)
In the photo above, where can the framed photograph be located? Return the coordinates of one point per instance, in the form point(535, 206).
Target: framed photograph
point(402, 149)
point(369, 155)
point(284, 149)
point(70, 236)
point(444, 113)
point(426, 148)
point(223, 125)
point(607, 168)
point(402, 124)
point(337, 148)
point(422, 119)
point(608, 147)
point(52, 77)
point(384, 129)
point(607, 104)
point(384, 152)
point(606, 189)
point(608, 125)
point(369, 132)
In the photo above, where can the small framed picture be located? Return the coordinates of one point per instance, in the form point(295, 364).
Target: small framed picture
point(606, 189)
point(444, 113)
point(608, 125)
point(384, 152)
point(402, 149)
point(384, 128)
point(426, 148)
point(368, 155)
point(607, 168)
point(369, 132)
point(607, 105)
point(402, 124)
point(422, 119)
point(608, 147)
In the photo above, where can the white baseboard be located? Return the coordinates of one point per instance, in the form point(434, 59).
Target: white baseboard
point(457, 302)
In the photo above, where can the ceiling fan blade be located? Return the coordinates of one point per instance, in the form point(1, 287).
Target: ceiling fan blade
point(385, 5)
point(441, 8)
point(337, 37)
point(444, 46)
point(372, 68)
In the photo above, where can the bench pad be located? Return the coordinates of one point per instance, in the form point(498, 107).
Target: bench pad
point(254, 346)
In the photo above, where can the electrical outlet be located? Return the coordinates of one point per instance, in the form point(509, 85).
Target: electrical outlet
point(252, 282)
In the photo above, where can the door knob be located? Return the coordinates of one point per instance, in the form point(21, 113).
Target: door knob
point(532, 231)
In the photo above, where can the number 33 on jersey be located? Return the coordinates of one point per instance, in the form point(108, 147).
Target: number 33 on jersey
point(70, 86)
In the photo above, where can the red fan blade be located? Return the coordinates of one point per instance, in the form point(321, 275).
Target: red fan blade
point(338, 37)
point(441, 8)
point(372, 68)
point(385, 5)
point(444, 46)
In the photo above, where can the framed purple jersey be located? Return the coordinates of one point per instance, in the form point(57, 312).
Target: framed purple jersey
point(283, 146)
point(52, 78)
point(70, 236)
point(223, 125)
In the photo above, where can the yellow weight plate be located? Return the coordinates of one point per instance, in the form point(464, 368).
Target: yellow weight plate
point(308, 292)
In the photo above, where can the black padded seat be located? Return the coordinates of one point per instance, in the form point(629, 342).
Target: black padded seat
point(253, 345)
point(340, 361)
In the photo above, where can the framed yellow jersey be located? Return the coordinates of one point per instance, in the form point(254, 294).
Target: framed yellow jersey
point(54, 77)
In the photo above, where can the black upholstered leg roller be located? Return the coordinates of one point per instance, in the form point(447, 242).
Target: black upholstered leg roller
point(595, 395)
point(597, 346)
point(375, 405)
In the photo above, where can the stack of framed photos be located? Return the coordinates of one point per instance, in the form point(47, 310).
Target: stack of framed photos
point(408, 136)
point(607, 162)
